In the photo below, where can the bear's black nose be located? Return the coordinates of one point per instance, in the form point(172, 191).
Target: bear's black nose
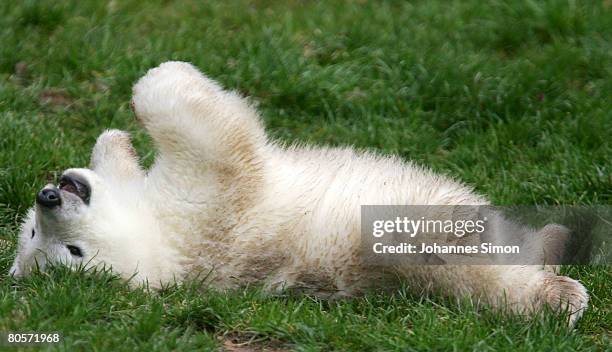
point(49, 197)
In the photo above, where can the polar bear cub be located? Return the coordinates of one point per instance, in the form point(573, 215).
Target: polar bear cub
point(222, 199)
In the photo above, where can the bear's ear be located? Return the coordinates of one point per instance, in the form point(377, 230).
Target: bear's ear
point(113, 156)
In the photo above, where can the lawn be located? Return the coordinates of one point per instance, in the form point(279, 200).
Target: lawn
point(510, 97)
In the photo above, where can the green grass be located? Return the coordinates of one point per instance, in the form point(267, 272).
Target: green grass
point(511, 97)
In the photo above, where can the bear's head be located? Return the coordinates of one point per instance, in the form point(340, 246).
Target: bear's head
point(95, 217)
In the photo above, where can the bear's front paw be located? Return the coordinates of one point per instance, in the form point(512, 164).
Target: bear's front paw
point(114, 155)
point(168, 90)
point(564, 294)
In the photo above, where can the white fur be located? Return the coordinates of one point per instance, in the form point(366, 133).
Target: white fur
point(221, 200)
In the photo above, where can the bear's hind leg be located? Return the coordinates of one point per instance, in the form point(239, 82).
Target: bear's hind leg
point(522, 289)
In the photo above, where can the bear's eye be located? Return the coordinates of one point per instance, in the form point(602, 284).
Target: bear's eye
point(74, 250)
point(33, 233)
